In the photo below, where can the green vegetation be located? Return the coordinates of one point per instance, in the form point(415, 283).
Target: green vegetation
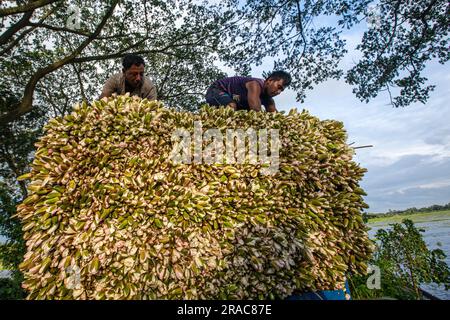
point(9, 290)
point(405, 262)
point(409, 211)
point(415, 217)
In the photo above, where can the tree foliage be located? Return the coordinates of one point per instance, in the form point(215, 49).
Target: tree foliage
point(404, 256)
point(395, 53)
point(16, 150)
point(413, 210)
point(306, 39)
point(405, 263)
point(56, 47)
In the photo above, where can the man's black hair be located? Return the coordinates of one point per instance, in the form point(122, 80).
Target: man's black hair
point(277, 75)
point(132, 59)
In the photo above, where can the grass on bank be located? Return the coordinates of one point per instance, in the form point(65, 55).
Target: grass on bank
point(415, 217)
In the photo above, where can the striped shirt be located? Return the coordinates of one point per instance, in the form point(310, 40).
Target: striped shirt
point(116, 84)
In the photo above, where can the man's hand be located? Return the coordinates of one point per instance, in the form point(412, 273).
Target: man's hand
point(254, 91)
point(271, 106)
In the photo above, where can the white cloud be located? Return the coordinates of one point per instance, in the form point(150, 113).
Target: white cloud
point(432, 185)
point(435, 185)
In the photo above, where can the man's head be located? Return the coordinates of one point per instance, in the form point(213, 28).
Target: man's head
point(276, 82)
point(133, 69)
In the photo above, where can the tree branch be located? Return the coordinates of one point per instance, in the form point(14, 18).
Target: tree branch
point(394, 29)
point(9, 158)
point(163, 82)
point(23, 34)
point(119, 54)
point(63, 29)
point(300, 25)
point(27, 100)
point(390, 95)
point(80, 81)
point(31, 6)
point(16, 41)
point(278, 8)
point(8, 34)
point(46, 92)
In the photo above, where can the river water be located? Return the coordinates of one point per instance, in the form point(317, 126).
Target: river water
point(436, 236)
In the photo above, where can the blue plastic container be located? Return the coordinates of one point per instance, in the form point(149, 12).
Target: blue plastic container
point(322, 295)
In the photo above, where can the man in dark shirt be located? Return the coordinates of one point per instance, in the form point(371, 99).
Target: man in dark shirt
point(246, 93)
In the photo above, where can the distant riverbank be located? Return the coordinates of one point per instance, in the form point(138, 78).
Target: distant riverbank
point(415, 217)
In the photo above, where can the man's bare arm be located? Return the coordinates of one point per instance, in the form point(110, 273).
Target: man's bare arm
point(271, 106)
point(254, 91)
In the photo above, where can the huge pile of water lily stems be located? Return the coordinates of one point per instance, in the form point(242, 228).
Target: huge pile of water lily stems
point(110, 215)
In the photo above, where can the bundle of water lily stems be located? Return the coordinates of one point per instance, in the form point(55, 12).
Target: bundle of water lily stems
point(111, 215)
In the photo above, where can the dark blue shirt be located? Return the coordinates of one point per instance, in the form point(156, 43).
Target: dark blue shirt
point(235, 87)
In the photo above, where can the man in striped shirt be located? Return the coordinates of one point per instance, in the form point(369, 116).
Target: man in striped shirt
point(131, 80)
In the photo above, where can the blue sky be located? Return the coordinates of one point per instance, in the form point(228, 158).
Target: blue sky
point(409, 165)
